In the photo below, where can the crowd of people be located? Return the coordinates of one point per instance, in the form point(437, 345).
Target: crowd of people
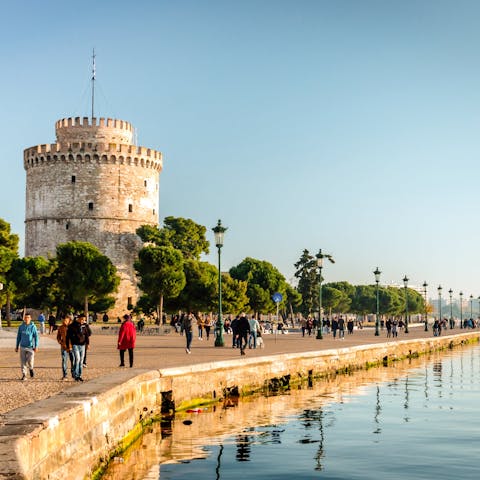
point(73, 336)
point(247, 332)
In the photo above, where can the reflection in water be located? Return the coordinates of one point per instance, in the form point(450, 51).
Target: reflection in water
point(243, 448)
point(308, 430)
point(378, 410)
point(219, 457)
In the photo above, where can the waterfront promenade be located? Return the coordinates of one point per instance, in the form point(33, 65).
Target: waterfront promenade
point(153, 352)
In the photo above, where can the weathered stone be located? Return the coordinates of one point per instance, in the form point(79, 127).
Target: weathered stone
point(93, 185)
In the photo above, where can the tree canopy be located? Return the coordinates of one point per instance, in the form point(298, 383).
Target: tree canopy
point(84, 274)
point(263, 280)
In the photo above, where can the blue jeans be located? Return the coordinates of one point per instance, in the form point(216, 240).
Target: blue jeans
point(78, 352)
point(65, 356)
point(252, 340)
point(189, 336)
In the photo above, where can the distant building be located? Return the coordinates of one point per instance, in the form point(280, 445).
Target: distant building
point(92, 185)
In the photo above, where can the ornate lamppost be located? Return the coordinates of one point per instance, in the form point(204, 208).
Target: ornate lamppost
point(377, 273)
point(405, 284)
point(425, 285)
point(218, 231)
point(450, 292)
point(320, 256)
point(461, 309)
point(439, 303)
point(471, 307)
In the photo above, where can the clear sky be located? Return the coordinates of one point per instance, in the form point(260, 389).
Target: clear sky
point(347, 125)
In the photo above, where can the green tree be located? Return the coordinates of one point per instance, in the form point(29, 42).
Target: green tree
point(8, 253)
point(308, 282)
point(160, 269)
point(364, 300)
point(84, 274)
point(199, 293)
point(180, 233)
point(293, 301)
point(234, 295)
point(263, 280)
point(34, 281)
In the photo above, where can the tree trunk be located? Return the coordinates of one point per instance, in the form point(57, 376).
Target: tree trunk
point(8, 313)
point(160, 318)
point(85, 308)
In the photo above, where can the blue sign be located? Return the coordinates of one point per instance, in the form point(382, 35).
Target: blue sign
point(277, 297)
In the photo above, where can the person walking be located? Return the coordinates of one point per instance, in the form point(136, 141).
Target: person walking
point(41, 321)
point(126, 340)
point(208, 325)
point(187, 327)
point(243, 328)
point(65, 352)
point(87, 331)
point(254, 329)
point(334, 327)
point(27, 342)
point(341, 328)
point(200, 326)
point(51, 323)
point(77, 342)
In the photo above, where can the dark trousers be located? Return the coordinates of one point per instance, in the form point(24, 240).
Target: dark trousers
point(243, 339)
point(130, 357)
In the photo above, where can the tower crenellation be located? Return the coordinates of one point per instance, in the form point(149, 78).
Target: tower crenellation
point(93, 184)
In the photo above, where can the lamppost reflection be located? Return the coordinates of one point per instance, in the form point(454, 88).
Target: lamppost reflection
point(378, 410)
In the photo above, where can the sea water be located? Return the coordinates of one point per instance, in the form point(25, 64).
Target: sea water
point(417, 419)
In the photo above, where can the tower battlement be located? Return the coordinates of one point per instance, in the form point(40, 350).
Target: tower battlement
point(93, 184)
point(77, 129)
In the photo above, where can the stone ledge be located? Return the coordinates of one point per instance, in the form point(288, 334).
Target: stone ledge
point(66, 435)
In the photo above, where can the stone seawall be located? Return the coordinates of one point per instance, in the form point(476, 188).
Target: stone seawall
point(68, 435)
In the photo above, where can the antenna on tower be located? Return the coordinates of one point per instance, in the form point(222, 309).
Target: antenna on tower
point(93, 82)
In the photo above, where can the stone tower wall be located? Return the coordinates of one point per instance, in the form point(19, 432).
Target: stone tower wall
point(92, 185)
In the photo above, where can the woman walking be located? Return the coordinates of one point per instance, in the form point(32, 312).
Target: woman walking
point(126, 340)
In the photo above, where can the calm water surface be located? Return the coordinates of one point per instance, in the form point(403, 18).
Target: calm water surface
point(414, 420)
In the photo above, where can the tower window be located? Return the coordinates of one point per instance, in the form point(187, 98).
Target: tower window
point(144, 183)
point(67, 225)
point(129, 303)
point(74, 178)
point(90, 205)
point(130, 207)
point(154, 211)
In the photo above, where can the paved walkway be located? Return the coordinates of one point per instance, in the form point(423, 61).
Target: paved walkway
point(151, 352)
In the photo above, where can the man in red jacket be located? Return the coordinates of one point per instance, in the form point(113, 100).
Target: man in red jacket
point(126, 340)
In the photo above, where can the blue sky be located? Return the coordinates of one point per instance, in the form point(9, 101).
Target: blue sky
point(351, 126)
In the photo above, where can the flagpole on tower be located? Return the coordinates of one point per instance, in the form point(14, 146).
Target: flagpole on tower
point(93, 82)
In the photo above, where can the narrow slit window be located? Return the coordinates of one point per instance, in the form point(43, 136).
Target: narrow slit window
point(74, 178)
point(90, 205)
point(130, 207)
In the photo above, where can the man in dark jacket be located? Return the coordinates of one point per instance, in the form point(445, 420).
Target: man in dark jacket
point(77, 341)
point(243, 327)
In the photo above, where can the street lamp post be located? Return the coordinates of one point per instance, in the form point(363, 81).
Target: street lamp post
point(320, 257)
point(405, 284)
point(439, 303)
point(377, 273)
point(218, 231)
point(425, 285)
point(478, 306)
point(471, 308)
point(461, 309)
point(450, 292)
